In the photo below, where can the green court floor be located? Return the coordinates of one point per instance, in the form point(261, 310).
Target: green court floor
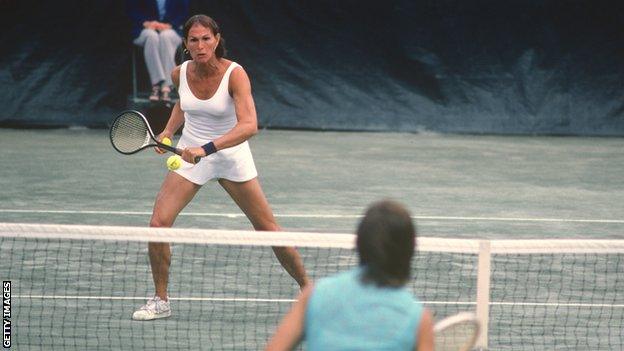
point(456, 187)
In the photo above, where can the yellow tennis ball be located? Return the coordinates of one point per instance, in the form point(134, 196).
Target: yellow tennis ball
point(166, 141)
point(174, 162)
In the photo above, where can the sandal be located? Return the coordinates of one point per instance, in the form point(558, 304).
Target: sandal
point(166, 91)
point(155, 95)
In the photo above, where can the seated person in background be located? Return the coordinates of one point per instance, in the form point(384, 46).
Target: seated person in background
point(156, 26)
point(367, 308)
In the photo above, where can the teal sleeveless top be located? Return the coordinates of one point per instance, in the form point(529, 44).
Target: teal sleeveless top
point(345, 314)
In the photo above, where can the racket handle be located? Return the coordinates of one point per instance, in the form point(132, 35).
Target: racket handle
point(175, 150)
point(179, 152)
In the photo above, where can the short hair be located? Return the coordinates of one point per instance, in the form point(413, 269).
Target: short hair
point(386, 240)
point(206, 22)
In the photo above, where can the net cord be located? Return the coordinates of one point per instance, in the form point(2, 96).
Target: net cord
point(299, 239)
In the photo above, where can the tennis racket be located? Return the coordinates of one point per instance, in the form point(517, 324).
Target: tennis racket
point(131, 133)
point(458, 332)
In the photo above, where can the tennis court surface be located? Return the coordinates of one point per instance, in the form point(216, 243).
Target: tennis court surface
point(76, 280)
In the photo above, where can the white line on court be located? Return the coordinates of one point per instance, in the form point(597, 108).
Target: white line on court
point(241, 299)
point(222, 299)
point(325, 216)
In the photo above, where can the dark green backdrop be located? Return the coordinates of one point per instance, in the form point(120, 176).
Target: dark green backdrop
point(504, 67)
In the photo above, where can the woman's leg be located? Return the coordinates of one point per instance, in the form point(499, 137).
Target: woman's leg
point(175, 193)
point(251, 200)
point(169, 42)
point(150, 41)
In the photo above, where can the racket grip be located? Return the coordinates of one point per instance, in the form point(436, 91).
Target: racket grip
point(180, 151)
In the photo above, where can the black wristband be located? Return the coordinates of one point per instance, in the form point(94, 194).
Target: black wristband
point(209, 148)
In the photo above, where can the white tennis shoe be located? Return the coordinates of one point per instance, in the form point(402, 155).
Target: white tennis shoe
point(154, 308)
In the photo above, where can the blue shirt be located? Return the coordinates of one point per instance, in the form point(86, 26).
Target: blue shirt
point(161, 8)
point(172, 12)
point(345, 314)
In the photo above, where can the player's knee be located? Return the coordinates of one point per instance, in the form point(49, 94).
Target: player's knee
point(159, 222)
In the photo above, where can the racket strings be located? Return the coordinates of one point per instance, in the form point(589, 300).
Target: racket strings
point(129, 133)
point(460, 336)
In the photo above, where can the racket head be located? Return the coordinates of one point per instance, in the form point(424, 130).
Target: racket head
point(130, 133)
point(458, 332)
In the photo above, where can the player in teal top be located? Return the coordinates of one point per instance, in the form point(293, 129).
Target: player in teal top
point(367, 308)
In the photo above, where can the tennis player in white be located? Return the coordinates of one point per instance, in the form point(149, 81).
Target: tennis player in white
point(218, 112)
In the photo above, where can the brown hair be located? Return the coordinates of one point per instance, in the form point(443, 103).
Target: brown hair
point(386, 240)
point(207, 22)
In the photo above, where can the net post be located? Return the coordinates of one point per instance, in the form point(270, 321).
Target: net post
point(483, 293)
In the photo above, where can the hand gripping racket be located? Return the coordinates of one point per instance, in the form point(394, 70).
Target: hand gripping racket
point(458, 332)
point(131, 133)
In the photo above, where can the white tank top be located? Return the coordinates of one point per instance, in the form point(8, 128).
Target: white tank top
point(206, 120)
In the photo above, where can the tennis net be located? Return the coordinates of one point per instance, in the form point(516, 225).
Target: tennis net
point(75, 287)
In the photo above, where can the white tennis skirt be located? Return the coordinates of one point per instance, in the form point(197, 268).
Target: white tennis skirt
point(234, 163)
